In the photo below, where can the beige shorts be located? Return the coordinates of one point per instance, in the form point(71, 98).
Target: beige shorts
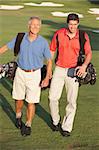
point(26, 86)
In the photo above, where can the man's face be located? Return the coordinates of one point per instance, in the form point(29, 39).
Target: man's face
point(34, 26)
point(73, 25)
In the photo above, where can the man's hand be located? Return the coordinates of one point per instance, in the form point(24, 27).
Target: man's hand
point(45, 82)
point(82, 70)
point(3, 49)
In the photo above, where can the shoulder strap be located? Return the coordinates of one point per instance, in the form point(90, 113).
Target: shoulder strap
point(82, 42)
point(17, 43)
point(57, 53)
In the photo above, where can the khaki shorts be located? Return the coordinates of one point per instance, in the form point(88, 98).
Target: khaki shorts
point(26, 86)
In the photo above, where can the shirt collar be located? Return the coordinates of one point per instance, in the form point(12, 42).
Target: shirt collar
point(77, 33)
point(27, 36)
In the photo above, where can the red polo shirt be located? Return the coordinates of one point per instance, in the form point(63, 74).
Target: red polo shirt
point(68, 49)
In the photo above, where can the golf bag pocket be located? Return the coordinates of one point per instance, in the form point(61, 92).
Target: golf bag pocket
point(71, 72)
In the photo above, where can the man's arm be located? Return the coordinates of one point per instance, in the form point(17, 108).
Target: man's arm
point(52, 54)
point(49, 69)
point(88, 56)
point(88, 51)
point(49, 65)
point(87, 59)
point(3, 49)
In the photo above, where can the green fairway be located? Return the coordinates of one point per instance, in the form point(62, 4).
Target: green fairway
point(85, 134)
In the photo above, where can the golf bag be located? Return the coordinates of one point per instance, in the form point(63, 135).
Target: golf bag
point(89, 77)
point(90, 74)
point(8, 70)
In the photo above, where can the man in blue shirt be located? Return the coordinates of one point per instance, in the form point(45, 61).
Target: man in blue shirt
point(33, 50)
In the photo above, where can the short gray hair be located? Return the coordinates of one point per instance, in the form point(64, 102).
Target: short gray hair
point(34, 17)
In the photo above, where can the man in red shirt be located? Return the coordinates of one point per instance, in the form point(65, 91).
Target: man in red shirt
point(66, 40)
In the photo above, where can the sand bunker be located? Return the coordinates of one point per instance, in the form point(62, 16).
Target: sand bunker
point(61, 14)
point(94, 11)
point(8, 7)
point(96, 31)
point(44, 4)
point(97, 18)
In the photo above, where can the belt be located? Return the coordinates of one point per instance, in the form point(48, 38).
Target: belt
point(32, 70)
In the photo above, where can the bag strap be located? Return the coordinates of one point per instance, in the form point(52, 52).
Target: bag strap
point(57, 53)
point(82, 42)
point(81, 57)
point(17, 43)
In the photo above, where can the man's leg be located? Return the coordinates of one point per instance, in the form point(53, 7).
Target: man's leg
point(55, 93)
point(72, 93)
point(18, 94)
point(32, 97)
point(18, 108)
point(26, 130)
point(30, 113)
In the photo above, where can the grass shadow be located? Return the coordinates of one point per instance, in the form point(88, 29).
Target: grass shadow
point(94, 1)
point(7, 84)
point(7, 108)
point(43, 114)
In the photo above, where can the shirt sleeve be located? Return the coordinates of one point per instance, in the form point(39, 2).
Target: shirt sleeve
point(47, 53)
point(53, 44)
point(87, 46)
point(11, 44)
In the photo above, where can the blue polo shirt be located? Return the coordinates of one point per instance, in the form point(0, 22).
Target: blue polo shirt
point(32, 54)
